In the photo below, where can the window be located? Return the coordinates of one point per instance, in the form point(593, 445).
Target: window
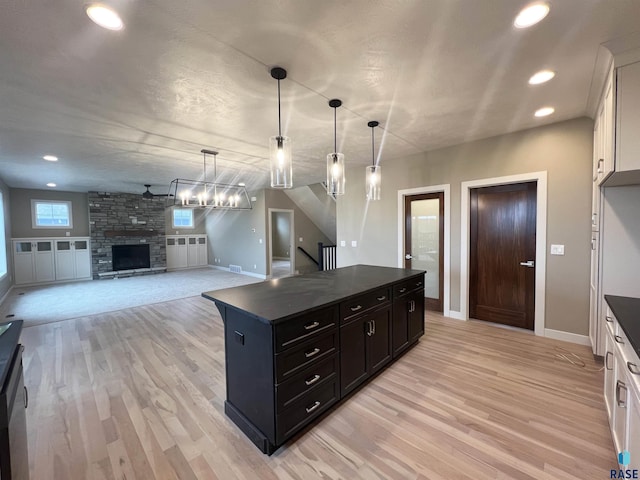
point(50, 214)
point(182, 217)
point(3, 245)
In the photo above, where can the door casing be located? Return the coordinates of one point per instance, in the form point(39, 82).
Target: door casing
point(541, 240)
point(446, 189)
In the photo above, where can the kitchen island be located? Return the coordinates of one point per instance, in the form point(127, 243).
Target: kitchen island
point(296, 346)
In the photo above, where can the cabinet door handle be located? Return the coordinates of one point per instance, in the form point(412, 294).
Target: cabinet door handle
point(26, 397)
point(593, 244)
point(383, 297)
point(600, 162)
point(311, 353)
point(608, 319)
point(312, 407)
point(419, 284)
point(402, 290)
point(606, 360)
point(633, 370)
point(618, 339)
point(356, 308)
point(369, 331)
point(373, 326)
point(312, 380)
point(311, 326)
point(622, 402)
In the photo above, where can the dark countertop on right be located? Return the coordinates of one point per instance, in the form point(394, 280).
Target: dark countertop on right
point(627, 312)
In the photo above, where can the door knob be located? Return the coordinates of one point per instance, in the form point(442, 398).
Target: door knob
point(529, 264)
point(408, 256)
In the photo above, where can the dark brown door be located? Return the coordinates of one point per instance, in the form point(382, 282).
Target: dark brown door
point(502, 254)
point(424, 242)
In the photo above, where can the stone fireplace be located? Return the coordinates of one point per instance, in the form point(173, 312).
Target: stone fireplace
point(120, 219)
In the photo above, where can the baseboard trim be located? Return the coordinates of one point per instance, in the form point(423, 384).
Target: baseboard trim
point(248, 274)
point(4, 297)
point(567, 336)
point(456, 315)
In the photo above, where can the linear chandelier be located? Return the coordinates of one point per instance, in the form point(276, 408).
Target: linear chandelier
point(204, 194)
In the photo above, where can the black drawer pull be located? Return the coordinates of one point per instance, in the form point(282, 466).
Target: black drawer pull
point(311, 353)
point(402, 290)
point(312, 380)
point(356, 308)
point(383, 297)
point(633, 370)
point(618, 339)
point(608, 319)
point(419, 284)
point(26, 397)
point(310, 326)
point(312, 407)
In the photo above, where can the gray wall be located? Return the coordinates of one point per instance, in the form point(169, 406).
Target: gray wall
point(235, 237)
point(621, 243)
point(21, 213)
point(303, 228)
point(7, 281)
point(241, 237)
point(281, 229)
point(199, 223)
point(563, 149)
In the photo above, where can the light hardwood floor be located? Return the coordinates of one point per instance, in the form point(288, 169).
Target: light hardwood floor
point(138, 394)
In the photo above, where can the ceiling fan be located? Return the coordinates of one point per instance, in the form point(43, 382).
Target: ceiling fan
point(147, 195)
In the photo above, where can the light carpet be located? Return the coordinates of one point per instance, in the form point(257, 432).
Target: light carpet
point(51, 303)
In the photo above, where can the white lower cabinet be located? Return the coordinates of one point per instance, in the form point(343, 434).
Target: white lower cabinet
point(41, 260)
point(73, 259)
point(622, 390)
point(186, 251)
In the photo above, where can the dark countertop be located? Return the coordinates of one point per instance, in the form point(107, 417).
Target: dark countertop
point(627, 312)
point(8, 343)
point(278, 299)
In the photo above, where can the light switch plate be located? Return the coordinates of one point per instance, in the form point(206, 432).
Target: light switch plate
point(343, 243)
point(300, 239)
point(354, 243)
point(557, 249)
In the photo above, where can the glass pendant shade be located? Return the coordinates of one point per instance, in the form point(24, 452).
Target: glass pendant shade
point(280, 162)
point(373, 181)
point(335, 174)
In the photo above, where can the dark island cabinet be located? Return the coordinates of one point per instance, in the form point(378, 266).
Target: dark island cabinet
point(295, 347)
point(408, 315)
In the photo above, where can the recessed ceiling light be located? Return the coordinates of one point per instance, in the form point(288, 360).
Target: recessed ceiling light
point(544, 111)
point(105, 16)
point(531, 14)
point(50, 158)
point(541, 77)
point(51, 184)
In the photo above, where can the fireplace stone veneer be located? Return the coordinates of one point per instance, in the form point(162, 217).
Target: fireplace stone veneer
point(125, 219)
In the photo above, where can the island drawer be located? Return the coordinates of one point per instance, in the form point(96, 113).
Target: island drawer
point(305, 409)
point(296, 330)
point(404, 288)
point(357, 305)
point(294, 360)
point(312, 377)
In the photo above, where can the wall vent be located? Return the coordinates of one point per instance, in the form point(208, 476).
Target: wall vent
point(235, 268)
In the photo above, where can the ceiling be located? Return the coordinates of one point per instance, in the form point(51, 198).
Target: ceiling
point(121, 109)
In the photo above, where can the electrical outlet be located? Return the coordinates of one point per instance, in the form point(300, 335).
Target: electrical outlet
point(300, 240)
point(354, 243)
point(255, 266)
point(259, 240)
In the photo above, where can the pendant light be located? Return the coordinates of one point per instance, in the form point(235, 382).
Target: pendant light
point(335, 160)
point(373, 172)
point(280, 146)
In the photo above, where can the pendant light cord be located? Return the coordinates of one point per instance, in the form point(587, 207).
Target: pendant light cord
point(279, 117)
point(335, 135)
point(373, 148)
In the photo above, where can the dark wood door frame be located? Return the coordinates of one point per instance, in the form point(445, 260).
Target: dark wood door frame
point(430, 303)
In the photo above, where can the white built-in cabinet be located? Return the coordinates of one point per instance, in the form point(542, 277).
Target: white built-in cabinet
point(186, 251)
point(622, 388)
point(43, 260)
point(616, 162)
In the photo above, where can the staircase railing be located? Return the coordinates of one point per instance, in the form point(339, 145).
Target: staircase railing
point(326, 256)
point(308, 255)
